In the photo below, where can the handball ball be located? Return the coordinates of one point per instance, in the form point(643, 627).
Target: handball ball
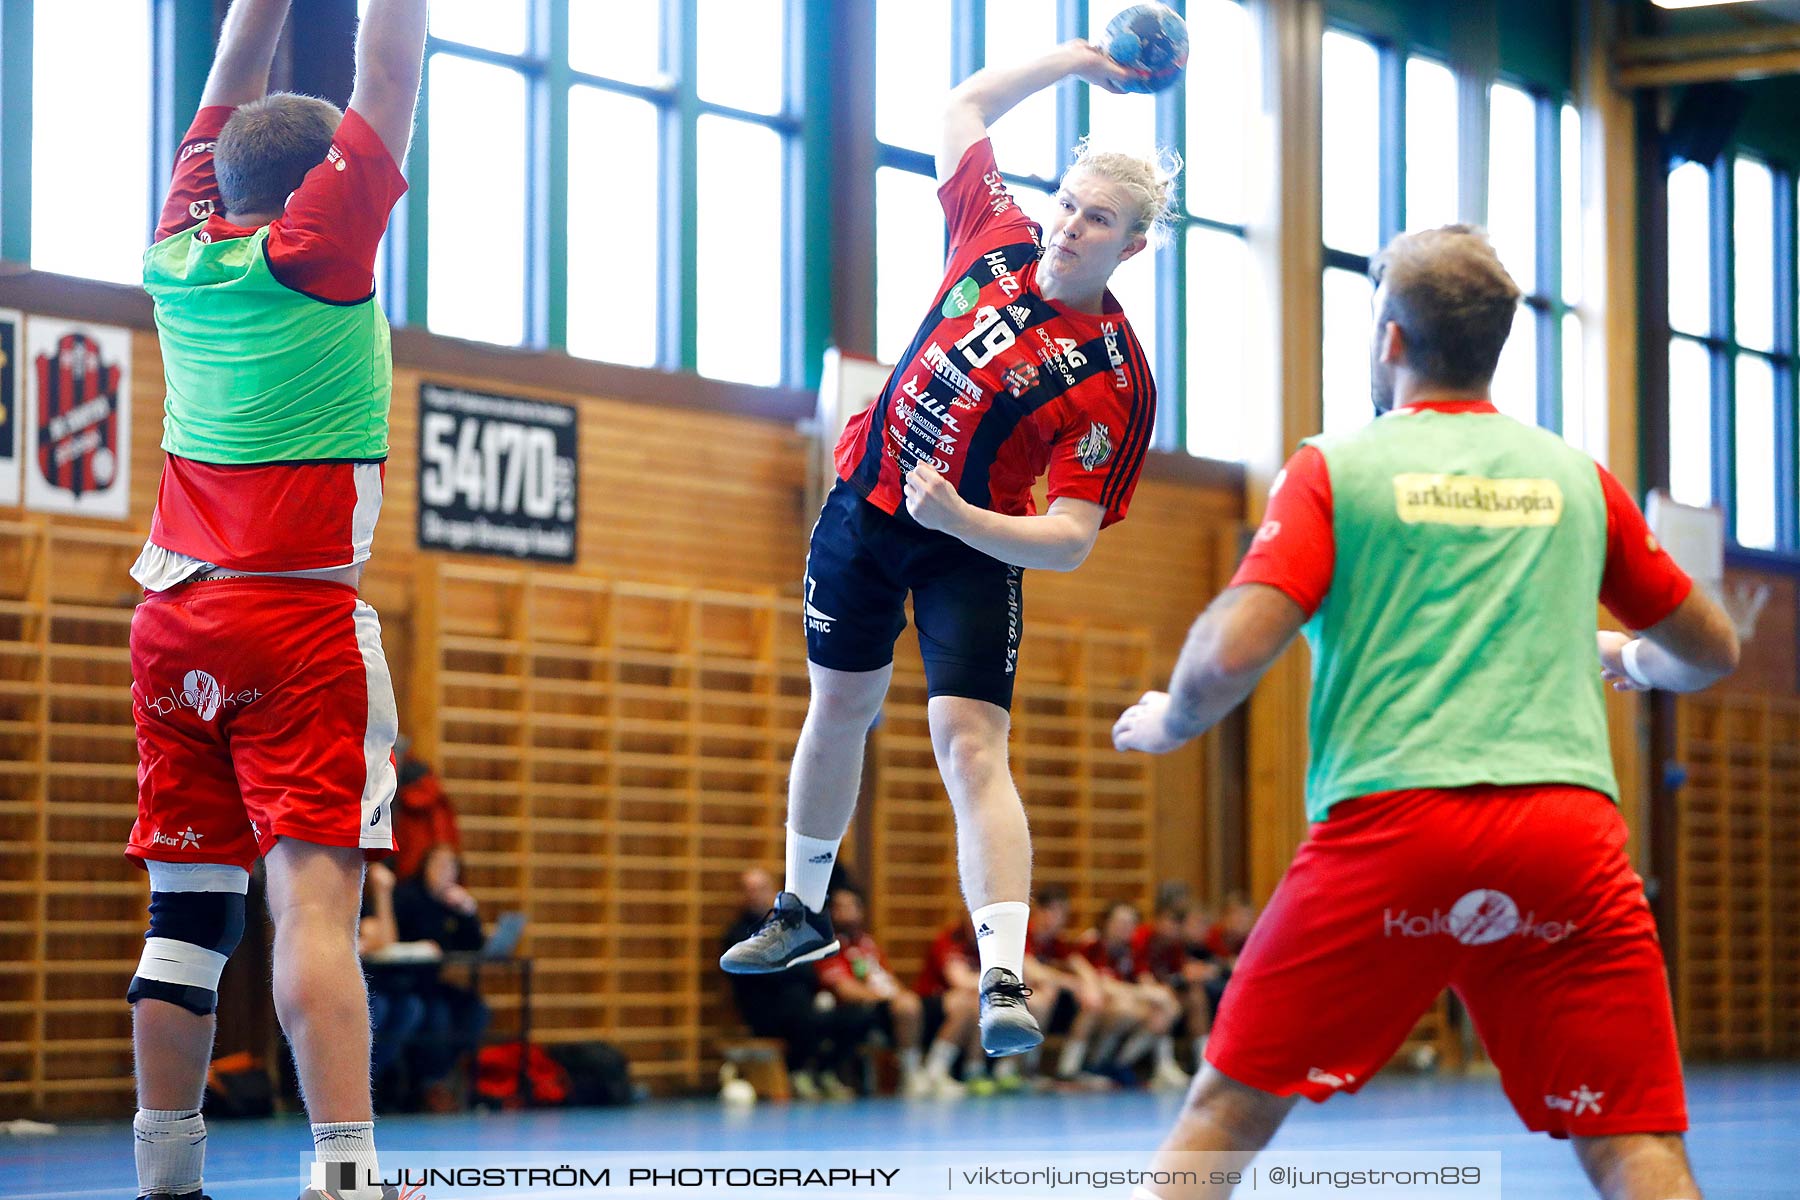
point(1151, 40)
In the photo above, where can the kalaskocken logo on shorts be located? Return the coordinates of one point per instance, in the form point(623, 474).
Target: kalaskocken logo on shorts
point(1478, 918)
point(201, 693)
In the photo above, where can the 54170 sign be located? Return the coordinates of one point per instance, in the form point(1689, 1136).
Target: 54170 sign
point(497, 475)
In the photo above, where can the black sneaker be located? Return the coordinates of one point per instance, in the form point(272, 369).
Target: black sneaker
point(1007, 1026)
point(789, 935)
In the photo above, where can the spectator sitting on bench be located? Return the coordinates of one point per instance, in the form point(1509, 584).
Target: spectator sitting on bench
point(861, 980)
point(433, 905)
point(395, 1007)
point(1161, 951)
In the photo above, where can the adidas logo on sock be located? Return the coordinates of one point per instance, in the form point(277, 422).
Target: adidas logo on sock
point(821, 858)
point(984, 930)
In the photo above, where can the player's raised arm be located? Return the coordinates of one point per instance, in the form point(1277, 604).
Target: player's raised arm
point(240, 70)
point(390, 48)
point(992, 92)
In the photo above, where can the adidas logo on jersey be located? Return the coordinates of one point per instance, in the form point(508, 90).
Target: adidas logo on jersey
point(1020, 314)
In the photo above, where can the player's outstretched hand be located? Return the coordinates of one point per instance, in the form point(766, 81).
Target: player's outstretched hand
point(931, 500)
point(1612, 662)
point(1093, 65)
point(1144, 727)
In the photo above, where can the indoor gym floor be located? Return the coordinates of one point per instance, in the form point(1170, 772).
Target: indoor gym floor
point(1746, 1125)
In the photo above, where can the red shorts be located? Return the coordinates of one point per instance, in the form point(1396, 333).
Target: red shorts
point(1519, 898)
point(263, 710)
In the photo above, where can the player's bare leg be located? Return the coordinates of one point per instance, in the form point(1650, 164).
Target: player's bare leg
point(822, 791)
point(828, 761)
point(1638, 1166)
point(993, 858)
point(172, 1047)
point(1220, 1116)
point(315, 893)
point(993, 841)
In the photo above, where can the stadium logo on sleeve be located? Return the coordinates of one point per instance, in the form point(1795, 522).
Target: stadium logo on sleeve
point(1095, 447)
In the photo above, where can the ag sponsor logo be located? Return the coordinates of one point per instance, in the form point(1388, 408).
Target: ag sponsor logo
point(1480, 917)
point(1578, 1103)
point(1095, 447)
point(1429, 499)
point(998, 197)
point(1062, 353)
point(1315, 1075)
point(961, 300)
point(201, 694)
point(1009, 283)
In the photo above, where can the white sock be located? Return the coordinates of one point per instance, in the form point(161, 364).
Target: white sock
point(1000, 935)
point(1074, 1053)
point(1165, 1052)
point(939, 1059)
point(809, 863)
point(1136, 1046)
point(171, 1150)
point(348, 1142)
point(909, 1061)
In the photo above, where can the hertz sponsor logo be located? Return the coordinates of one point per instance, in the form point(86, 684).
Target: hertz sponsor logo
point(1421, 499)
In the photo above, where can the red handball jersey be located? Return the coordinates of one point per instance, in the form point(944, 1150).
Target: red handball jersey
point(1001, 384)
point(950, 945)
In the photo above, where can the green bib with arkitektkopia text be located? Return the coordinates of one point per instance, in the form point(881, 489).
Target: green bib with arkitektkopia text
point(258, 372)
point(1456, 645)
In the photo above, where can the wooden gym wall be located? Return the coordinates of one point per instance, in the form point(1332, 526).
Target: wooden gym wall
point(675, 643)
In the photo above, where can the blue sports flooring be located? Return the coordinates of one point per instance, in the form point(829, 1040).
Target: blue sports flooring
point(1745, 1140)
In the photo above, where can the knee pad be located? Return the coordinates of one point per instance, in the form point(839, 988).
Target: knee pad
point(196, 921)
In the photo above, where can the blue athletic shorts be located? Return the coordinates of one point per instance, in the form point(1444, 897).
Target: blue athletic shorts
point(968, 606)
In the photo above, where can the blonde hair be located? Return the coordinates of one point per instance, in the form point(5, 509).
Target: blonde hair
point(1149, 180)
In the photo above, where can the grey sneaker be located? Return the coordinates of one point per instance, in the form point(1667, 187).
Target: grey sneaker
point(790, 935)
point(1007, 1026)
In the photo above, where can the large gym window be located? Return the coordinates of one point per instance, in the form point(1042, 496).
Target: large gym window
point(1392, 161)
point(601, 179)
point(1732, 353)
point(91, 209)
point(1200, 376)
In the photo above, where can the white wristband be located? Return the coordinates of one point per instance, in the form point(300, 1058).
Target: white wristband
point(1628, 658)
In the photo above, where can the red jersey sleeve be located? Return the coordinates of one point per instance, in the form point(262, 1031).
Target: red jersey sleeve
point(1641, 584)
point(1098, 453)
point(324, 243)
point(1294, 550)
point(976, 200)
point(194, 188)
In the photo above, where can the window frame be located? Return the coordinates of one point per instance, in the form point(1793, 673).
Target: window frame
point(549, 80)
point(1724, 352)
point(1548, 302)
